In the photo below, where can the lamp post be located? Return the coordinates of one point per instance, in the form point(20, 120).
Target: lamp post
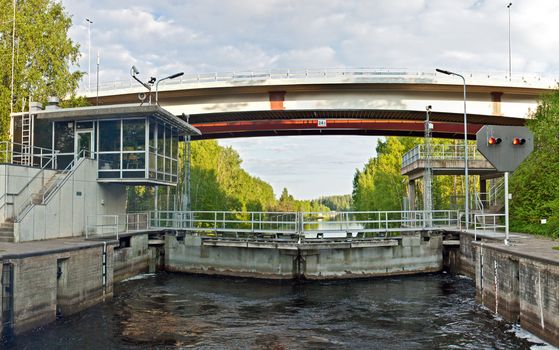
point(89, 22)
point(467, 199)
point(176, 75)
point(510, 70)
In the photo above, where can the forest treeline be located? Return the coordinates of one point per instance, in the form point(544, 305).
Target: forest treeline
point(219, 183)
point(534, 186)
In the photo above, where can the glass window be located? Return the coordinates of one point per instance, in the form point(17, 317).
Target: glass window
point(133, 174)
point(17, 129)
point(152, 161)
point(168, 139)
point(84, 125)
point(64, 137)
point(175, 143)
point(152, 133)
point(42, 136)
point(160, 139)
point(133, 161)
point(63, 161)
point(109, 135)
point(160, 163)
point(109, 161)
point(109, 174)
point(134, 135)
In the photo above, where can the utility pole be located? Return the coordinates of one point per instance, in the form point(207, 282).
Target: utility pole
point(428, 172)
point(13, 57)
point(89, 22)
point(97, 76)
point(510, 69)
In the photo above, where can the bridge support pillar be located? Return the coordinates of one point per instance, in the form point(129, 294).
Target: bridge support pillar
point(411, 194)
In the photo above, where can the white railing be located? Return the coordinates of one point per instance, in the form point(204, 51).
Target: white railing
point(134, 222)
point(489, 222)
point(282, 223)
point(377, 221)
point(226, 221)
point(17, 153)
point(101, 226)
point(441, 152)
point(367, 75)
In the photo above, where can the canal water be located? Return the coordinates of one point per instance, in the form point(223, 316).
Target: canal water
point(177, 311)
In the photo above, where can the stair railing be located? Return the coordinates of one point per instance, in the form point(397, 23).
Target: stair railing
point(49, 191)
point(27, 191)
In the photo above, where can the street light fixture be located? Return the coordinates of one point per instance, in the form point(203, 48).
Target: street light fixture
point(173, 76)
point(467, 204)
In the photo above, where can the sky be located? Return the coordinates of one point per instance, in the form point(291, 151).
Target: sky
point(164, 37)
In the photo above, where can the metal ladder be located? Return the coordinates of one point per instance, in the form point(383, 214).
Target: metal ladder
point(26, 158)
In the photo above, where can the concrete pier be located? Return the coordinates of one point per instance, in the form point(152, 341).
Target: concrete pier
point(408, 254)
point(42, 280)
point(520, 282)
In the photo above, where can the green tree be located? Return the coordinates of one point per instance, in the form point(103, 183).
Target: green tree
point(535, 184)
point(43, 53)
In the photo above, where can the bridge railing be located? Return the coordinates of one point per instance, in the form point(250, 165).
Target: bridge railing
point(376, 221)
point(226, 221)
point(441, 152)
point(309, 224)
point(374, 75)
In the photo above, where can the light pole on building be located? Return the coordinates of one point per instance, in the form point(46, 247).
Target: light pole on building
point(89, 22)
point(176, 75)
point(510, 69)
point(467, 199)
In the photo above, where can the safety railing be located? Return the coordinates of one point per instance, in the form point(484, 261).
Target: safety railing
point(377, 221)
point(102, 226)
point(134, 222)
point(440, 152)
point(17, 153)
point(29, 194)
point(489, 222)
point(70, 169)
point(226, 221)
point(384, 75)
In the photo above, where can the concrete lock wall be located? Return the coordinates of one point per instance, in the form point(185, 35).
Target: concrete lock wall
point(411, 254)
point(57, 283)
point(520, 289)
point(66, 213)
point(252, 260)
point(132, 260)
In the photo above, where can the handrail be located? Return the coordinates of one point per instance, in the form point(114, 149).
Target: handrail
point(51, 190)
point(303, 222)
point(31, 152)
point(441, 152)
point(69, 171)
point(27, 186)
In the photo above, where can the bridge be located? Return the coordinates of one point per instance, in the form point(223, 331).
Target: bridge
point(337, 101)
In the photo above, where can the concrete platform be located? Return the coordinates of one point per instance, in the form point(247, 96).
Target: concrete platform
point(51, 246)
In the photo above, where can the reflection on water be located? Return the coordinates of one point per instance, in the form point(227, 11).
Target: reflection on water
point(182, 311)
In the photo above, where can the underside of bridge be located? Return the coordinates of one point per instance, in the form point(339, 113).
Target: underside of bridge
point(340, 122)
